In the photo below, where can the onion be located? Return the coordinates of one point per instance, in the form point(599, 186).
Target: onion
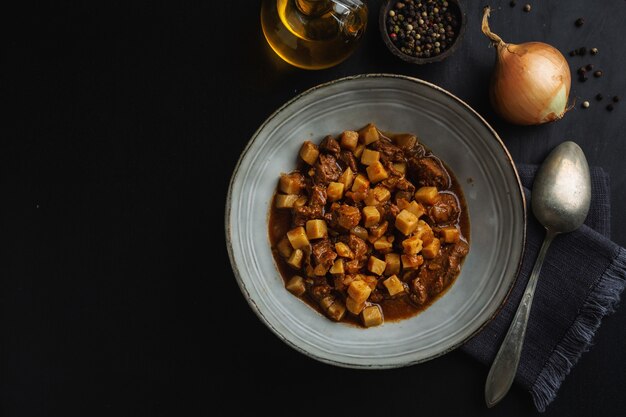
point(531, 81)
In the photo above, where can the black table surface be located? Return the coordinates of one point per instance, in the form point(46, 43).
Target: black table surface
point(121, 126)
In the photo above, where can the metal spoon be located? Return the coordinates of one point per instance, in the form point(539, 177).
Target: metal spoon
point(560, 201)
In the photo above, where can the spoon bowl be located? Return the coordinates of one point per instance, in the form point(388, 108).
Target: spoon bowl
point(561, 191)
point(561, 197)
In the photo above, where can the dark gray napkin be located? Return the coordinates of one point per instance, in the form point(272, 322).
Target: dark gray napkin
point(582, 278)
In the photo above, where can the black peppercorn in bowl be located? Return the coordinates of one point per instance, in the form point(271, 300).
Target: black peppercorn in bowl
point(422, 31)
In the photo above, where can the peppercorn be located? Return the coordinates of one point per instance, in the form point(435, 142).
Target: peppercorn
point(589, 67)
point(585, 104)
point(594, 51)
point(579, 22)
point(582, 78)
point(615, 99)
point(581, 70)
point(599, 97)
point(609, 107)
point(573, 53)
point(581, 51)
point(512, 3)
point(527, 7)
point(597, 74)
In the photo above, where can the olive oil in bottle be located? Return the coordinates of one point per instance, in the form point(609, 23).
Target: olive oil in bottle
point(313, 34)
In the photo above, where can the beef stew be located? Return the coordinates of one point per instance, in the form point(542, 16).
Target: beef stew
point(370, 226)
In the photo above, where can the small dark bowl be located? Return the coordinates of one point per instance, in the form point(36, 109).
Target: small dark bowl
point(455, 7)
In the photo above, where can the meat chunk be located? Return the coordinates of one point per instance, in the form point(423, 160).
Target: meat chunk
point(348, 160)
point(330, 145)
point(354, 266)
point(356, 245)
point(326, 169)
point(320, 291)
point(419, 292)
point(404, 185)
point(317, 196)
point(456, 255)
point(323, 253)
point(445, 210)
point(389, 211)
point(347, 216)
point(314, 209)
point(428, 172)
point(390, 183)
point(302, 214)
point(388, 151)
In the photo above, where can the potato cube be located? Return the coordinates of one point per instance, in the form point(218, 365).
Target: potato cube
point(300, 202)
point(295, 260)
point(376, 172)
point(285, 200)
point(372, 316)
point(371, 216)
point(343, 250)
point(412, 245)
point(354, 307)
point(346, 178)
point(368, 157)
point(392, 264)
point(432, 249)
point(296, 285)
point(349, 140)
point(378, 231)
point(316, 229)
point(337, 267)
point(427, 195)
point(291, 183)
point(376, 266)
point(377, 196)
point(359, 231)
point(360, 183)
point(416, 208)
point(450, 234)
point(383, 245)
point(405, 140)
point(400, 167)
point(309, 152)
point(406, 222)
point(334, 191)
point(402, 203)
point(284, 247)
point(359, 291)
point(411, 261)
point(358, 151)
point(394, 285)
point(336, 310)
point(369, 134)
point(297, 238)
point(320, 270)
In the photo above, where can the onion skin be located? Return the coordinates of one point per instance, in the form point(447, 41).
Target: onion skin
point(530, 83)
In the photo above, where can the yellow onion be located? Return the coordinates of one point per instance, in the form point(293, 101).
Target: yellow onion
point(531, 81)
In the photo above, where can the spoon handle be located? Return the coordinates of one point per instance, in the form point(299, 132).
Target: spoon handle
point(504, 367)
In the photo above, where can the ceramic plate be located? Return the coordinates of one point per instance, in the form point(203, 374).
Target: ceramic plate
point(454, 132)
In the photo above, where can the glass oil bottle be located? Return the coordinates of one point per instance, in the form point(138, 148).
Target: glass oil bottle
point(313, 34)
